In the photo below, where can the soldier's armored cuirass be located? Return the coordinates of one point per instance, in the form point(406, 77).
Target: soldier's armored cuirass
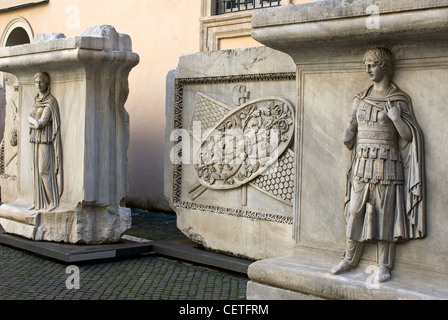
point(378, 158)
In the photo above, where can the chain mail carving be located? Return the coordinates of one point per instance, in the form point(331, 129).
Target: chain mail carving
point(278, 181)
point(208, 112)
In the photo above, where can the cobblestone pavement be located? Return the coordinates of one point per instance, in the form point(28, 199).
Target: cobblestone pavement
point(154, 225)
point(25, 276)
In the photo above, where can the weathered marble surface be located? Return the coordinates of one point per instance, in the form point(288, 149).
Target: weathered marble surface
point(253, 216)
point(327, 40)
point(89, 79)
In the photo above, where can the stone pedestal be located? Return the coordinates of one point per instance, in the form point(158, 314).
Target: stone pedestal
point(248, 214)
point(89, 80)
point(327, 40)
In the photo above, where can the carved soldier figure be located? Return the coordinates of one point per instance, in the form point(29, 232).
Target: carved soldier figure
point(385, 196)
point(45, 136)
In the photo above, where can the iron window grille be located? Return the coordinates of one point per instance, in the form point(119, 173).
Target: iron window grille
point(225, 6)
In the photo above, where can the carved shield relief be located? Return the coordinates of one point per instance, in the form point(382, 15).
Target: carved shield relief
point(245, 143)
point(235, 146)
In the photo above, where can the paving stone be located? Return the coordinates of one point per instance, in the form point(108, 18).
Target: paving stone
point(25, 276)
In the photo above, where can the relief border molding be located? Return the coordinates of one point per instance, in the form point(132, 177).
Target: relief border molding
point(177, 168)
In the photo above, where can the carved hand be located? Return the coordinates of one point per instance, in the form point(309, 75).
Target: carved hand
point(393, 112)
point(33, 122)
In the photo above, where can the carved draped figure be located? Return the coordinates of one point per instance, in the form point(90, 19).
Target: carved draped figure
point(385, 198)
point(47, 152)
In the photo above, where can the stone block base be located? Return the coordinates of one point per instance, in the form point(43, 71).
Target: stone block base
point(288, 278)
point(82, 224)
point(257, 291)
point(250, 238)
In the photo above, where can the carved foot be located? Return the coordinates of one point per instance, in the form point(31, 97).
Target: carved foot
point(50, 208)
point(31, 208)
point(342, 267)
point(383, 274)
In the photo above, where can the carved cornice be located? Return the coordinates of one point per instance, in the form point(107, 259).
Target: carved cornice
point(299, 30)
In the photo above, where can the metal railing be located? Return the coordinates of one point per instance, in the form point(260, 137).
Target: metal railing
point(225, 6)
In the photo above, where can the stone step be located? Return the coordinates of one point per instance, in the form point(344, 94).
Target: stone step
point(72, 253)
point(182, 249)
point(185, 249)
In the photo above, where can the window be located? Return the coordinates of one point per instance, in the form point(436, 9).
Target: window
point(17, 31)
point(16, 37)
point(226, 24)
point(224, 6)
